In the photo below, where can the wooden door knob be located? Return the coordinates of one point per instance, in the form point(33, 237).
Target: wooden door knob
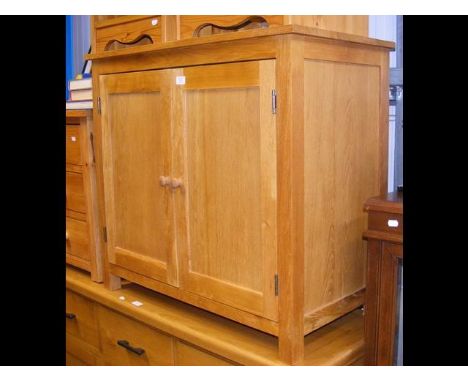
point(67, 236)
point(175, 183)
point(164, 181)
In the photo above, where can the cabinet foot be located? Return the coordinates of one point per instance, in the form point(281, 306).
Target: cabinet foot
point(112, 282)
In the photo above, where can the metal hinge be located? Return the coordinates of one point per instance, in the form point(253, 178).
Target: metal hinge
point(276, 284)
point(99, 105)
point(104, 234)
point(273, 101)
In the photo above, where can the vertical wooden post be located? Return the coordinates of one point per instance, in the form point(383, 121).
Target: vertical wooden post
point(110, 281)
point(290, 124)
point(384, 106)
point(372, 291)
point(169, 28)
point(92, 33)
point(89, 181)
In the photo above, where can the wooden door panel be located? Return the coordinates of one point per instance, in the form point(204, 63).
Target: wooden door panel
point(136, 153)
point(224, 184)
point(227, 209)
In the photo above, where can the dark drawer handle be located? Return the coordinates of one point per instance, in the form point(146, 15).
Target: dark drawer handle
point(126, 345)
point(70, 316)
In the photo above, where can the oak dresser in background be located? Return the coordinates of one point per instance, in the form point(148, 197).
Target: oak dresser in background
point(384, 278)
point(82, 227)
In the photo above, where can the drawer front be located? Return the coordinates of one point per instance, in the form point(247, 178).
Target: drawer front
point(73, 142)
point(128, 32)
point(77, 238)
point(71, 360)
point(76, 200)
point(386, 222)
point(187, 355)
point(155, 347)
point(81, 321)
point(80, 353)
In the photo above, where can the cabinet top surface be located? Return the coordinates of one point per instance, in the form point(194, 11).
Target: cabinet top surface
point(334, 344)
point(247, 34)
point(391, 203)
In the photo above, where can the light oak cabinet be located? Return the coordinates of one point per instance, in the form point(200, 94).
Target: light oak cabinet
point(233, 169)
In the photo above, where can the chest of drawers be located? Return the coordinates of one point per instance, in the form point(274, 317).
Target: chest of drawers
point(82, 238)
point(105, 328)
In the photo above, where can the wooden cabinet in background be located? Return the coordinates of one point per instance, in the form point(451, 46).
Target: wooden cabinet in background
point(118, 32)
point(198, 25)
point(384, 277)
point(233, 169)
point(82, 236)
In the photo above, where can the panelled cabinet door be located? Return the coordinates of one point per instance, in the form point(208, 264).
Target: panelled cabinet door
point(136, 145)
point(225, 159)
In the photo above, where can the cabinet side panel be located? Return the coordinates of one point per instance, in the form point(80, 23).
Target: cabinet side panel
point(341, 134)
